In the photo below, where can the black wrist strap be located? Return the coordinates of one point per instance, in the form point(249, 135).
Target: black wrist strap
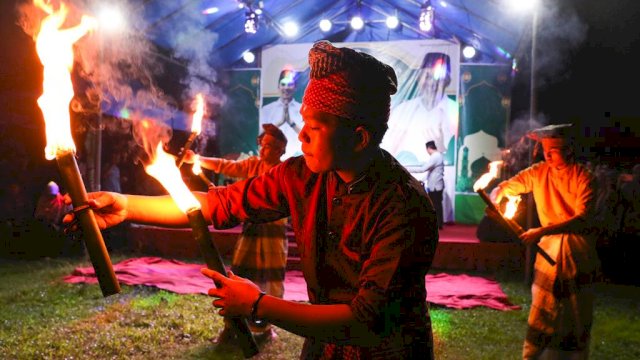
point(254, 307)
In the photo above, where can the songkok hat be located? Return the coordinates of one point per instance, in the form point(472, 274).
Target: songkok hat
point(273, 131)
point(349, 84)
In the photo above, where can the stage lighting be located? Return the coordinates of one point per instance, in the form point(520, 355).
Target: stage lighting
point(251, 22)
point(111, 19)
point(392, 22)
point(290, 29)
point(248, 57)
point(427, 15)
point(468, 52)
point(357, 23)
point(325, 25)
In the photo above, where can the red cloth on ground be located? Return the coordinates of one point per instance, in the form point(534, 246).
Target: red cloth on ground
point(454, 291)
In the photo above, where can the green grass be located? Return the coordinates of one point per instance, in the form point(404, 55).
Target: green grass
point(41, 317)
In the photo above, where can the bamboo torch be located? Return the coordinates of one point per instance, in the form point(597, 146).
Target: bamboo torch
point(164, 170)
point(505, 220)
point(197, 170)
point(196, 128)
point(55, 50)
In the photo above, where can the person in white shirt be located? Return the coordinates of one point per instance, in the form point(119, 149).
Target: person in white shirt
point(430, 116)
point(434, 167)
point(285, 113)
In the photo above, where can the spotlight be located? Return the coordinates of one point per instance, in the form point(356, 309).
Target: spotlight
point(468, 52)
point(392, 22)
point(290, 29)
point(111, 19)
point(357, 23)
point(427, 15)
point(325, 25)
point(248, 57)
point(251, 22)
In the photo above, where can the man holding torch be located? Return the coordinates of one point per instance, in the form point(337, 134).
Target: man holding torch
point(366, 229)
point(261, 252)
point(562, 295)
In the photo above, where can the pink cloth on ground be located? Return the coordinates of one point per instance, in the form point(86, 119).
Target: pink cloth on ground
point(454, 291)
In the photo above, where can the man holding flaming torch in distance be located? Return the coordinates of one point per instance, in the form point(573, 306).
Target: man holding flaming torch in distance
point(261, 252)
point(366, 229)
point(562, 296)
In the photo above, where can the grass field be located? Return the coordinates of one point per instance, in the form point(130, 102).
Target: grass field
point(42, 317)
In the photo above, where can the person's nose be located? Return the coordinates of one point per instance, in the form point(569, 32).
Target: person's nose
point(302, 136)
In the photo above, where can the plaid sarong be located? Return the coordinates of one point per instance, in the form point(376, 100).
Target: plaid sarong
point(562, 299)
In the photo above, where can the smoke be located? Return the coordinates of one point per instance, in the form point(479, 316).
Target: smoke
point(520, 149)
point(118, 72)
point(559, 33)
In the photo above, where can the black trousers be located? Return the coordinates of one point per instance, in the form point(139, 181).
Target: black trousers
point(436, 199)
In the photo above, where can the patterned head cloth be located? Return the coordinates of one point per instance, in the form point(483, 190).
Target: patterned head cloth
point(552, 136)
point(349, 84)
point(559, 135)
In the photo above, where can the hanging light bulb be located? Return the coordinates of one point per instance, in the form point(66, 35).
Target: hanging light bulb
point(427, 16)
point(357, 23)
point(468, 52)
point(325, 25)
point(248, 57)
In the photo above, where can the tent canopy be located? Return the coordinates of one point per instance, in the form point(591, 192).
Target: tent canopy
point(491, 26)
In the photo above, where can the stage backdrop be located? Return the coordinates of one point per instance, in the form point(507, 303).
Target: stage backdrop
point(484, 116)
point(406, 57)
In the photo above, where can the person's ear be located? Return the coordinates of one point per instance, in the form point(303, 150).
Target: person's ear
point(362, 138)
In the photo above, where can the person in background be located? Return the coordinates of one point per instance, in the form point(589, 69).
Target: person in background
point(365, 228)
point(434, 167)
point(561, 312)
point(260, 254)
point(285, 112)
point(50, 209)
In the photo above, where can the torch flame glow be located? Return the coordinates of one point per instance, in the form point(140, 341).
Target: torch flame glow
point(512, 206)
point(196, 123)
point(164, 169)
point(55, 50)
point(196, 169)
point(486, 178)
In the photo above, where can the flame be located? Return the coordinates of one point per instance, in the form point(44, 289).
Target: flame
point(486, 178)
point(164, 169)
point(55, 50)
point(512, 206)
point(196, 123)
point(196, 169)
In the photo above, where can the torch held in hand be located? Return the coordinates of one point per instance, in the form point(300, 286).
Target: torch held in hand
point(511, 225)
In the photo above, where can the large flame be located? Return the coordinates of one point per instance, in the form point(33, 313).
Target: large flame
point(486, 178)
point(196, 122)
point(164, 169)
point(55, 49)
